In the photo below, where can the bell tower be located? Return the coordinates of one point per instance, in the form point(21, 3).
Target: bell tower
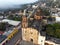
point(24, 20)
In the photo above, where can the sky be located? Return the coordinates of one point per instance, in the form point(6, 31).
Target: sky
point(8, 3)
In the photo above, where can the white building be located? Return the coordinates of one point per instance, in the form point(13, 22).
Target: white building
point(57, 19)
point(41, 40)
point(49, 43)
point(34, 6)
point(11, 22)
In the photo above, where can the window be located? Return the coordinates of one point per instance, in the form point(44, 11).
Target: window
point(24, 25)
point(31, 40)
point(41, 40)
point(6, 41)
point(25, 31)
point(31, 32)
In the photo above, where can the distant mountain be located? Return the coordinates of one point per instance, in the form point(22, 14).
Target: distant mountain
point(12, 7)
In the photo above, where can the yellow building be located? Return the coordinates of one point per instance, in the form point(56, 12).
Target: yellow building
point(32, 35)
point(12, 34)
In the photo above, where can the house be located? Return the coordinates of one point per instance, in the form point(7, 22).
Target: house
point(57, 19)
point(49, 43)
point(3, 39)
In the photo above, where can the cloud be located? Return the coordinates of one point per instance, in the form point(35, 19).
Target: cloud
point(11, 3)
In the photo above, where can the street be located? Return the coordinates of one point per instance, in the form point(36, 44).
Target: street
point(15, 38)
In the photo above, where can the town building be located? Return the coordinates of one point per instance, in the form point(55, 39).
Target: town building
point(12, 28)
point(31, 34)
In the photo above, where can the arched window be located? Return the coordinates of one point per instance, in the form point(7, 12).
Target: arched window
point(31, 40)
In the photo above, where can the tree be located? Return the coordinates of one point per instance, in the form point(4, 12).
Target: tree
point(46, 12)
point(53, 30)
point(10, 17)
point(56, 25)
point(50, 30)
point(16, 18)
point(57, 33)
point(2, 26)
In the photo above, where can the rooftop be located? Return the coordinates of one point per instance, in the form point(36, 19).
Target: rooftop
point(36, 24)
point(11, 22)
point(2, 37)
point(1, 32)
